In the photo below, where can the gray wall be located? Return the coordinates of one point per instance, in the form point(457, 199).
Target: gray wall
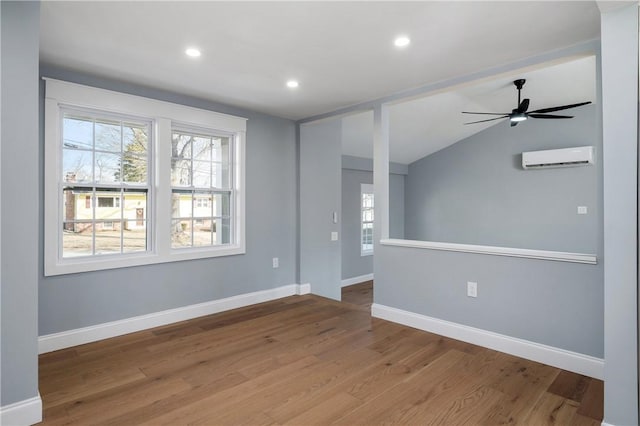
point(319, 197)
point(79, 300)
point(353, 264)
point(20, 204)
point(476, 192)
point(396, 206)
point(554, 303)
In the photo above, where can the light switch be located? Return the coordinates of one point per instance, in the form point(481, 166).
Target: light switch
point(582, 209)
point(334, 236)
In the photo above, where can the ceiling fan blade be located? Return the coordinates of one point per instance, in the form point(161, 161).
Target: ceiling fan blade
point(524, 105)
point(490, 119)
point(486, 113)
point(560, 108)
point(548, 116)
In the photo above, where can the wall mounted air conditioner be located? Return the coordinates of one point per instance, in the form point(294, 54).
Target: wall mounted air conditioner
point(566, 157)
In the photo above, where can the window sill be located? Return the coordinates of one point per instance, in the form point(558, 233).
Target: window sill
point(559, 256)
point(366, 253)
point(79, 265)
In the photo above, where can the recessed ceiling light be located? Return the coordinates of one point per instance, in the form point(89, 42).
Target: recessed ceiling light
point(193, 52)
point(402, 41)
point(292, 84)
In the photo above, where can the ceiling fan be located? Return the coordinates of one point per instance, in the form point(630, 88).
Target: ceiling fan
point(520, 113)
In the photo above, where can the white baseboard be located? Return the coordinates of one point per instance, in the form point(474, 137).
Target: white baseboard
point(22, 413)
point(357, 280)
point(80, 336)
point(606, 424)
point(556, 357)
point(303, 289)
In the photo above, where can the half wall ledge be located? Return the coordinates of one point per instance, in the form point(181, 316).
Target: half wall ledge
point(558, 256)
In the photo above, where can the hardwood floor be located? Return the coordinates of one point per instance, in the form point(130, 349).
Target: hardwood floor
point(305, 360)
point(359, 294)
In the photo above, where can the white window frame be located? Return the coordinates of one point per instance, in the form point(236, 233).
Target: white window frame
point(163, 115)
point(365, 188)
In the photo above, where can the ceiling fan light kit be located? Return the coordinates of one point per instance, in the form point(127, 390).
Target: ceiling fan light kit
point(521, 113)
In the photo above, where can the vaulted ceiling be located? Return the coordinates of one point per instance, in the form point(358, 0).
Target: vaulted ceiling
point(342, 53)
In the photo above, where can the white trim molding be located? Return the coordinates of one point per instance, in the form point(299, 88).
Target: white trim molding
point(25, 412)
point(80, 336)
point(303, 289)
point(556, 357)
point(162, 118)
point(559, 256)
point(356, 280)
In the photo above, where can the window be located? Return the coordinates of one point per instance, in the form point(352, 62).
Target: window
point(103, 156)
point(134, 181)
point(201, 170)
point(366, 219)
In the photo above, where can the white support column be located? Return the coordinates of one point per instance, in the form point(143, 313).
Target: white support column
point(619, 36)
point(381, 173)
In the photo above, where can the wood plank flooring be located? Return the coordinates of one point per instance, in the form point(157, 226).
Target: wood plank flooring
point(305, 360)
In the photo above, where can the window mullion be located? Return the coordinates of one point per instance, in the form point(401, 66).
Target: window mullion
point(162, 187)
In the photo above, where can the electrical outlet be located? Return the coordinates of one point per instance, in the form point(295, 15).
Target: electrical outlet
point(472, 289)
point(334, 236)
point(582, 210)
point(276, 262)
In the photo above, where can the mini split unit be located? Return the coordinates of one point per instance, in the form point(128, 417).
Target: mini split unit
point(567, 157)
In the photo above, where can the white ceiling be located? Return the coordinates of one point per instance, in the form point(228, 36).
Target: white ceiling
point(422, 126)
point(341, 52)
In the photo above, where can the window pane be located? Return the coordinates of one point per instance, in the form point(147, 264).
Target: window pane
point(108, 136)
point(222, 204)
point(77, 204)
point(201, 148)
point(77, 239)
point(201, 174)
point(135, 210)
point(107, 167)
point(135, 138)
point(77, 132)
point(134, 168)
point(222, 231)
point(224, 178)
point(202, 233)
point(134, 239)
point(106, 205)
point(180, 172)
point(180, 233)
point(77, 166)
point(203, 204)
point(180, 146)
point(108, 237)
point(181, 204)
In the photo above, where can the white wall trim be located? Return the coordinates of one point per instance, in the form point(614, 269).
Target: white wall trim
point(25, 412)
point(556, 357)
point(559, 256)
point(303, 289)
point(356, 280)
point(606, 424)
point(80, 336)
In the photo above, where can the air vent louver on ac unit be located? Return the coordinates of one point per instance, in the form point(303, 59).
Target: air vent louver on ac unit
point(566, 157)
